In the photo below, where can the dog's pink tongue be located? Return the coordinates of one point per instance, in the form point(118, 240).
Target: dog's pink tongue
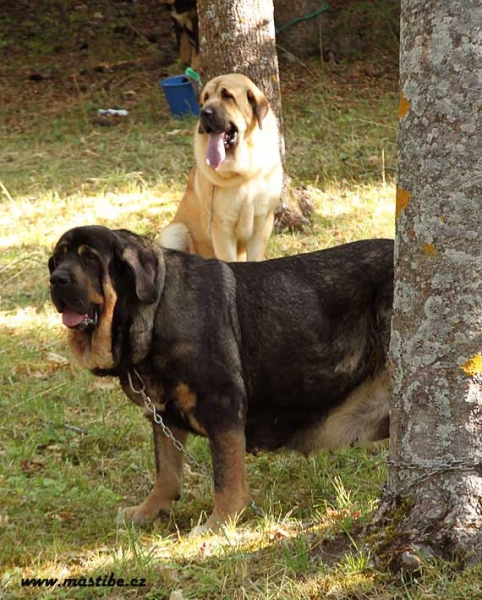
point(71, 318)
point(216, 152)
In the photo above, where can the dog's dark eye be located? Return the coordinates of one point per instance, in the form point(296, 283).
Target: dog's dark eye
point(205, 98)
point(89, 256)
point(56, 258)
point(226, 95)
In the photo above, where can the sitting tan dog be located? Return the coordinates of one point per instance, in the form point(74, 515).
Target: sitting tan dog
point(228, 208)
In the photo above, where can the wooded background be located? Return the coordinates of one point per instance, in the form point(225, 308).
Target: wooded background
point(348, 30)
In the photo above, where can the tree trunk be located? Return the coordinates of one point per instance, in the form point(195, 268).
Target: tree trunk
point(435, 462)
point(239, 37)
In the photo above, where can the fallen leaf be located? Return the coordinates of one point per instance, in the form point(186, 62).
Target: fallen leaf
point(30, 466)
point(3, 520)
point(67, 516)
point(206, 550)
point(105, 383)
point(278, 533)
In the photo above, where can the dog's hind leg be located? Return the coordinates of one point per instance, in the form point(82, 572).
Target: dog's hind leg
point(167, 487)
point(363, 417)
point(177, 237)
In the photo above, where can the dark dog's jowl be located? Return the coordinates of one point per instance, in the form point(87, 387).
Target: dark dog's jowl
point(287, 353)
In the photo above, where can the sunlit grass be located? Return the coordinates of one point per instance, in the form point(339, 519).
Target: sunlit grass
point(341, 213)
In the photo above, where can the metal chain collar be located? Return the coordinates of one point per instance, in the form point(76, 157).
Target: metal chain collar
point(435, 468)
point(149, 404)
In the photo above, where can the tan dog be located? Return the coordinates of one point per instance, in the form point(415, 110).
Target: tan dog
point(228, 208)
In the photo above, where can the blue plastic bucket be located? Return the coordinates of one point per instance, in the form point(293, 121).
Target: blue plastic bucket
point(180, 96)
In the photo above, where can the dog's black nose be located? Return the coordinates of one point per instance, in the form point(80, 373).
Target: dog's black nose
point(206, 117)
point(207, 112)
point(60, 278)
point(213, 119)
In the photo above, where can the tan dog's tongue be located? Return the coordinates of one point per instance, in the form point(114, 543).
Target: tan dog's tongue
point(216, 152)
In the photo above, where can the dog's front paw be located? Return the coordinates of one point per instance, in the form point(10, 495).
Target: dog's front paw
point(133, 515)
point(214, 524)
point(201, 530)
point(137, 515)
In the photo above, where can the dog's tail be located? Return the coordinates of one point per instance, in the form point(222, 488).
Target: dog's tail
point(177, 237)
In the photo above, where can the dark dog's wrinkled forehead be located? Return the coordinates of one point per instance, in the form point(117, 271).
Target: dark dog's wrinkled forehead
point(94, 236)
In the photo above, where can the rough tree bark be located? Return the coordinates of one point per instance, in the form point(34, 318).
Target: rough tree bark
point(436, 344)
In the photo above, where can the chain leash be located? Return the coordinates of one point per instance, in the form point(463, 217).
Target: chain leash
point(149, 404)
point(435, 468)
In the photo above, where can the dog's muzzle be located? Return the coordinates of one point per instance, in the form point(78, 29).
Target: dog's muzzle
point(222, 134)
point(76, 311)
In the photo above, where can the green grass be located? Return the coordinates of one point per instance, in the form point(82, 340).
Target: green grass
point(73, 449)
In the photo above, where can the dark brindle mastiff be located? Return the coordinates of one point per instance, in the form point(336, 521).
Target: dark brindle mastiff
point(255, 356)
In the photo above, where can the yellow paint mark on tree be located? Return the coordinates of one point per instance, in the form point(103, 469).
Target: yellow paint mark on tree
point(403, 106)
point(402, 200)
point(473, 366)
point(429, 250)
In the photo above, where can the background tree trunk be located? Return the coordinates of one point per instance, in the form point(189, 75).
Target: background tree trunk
point(436, 342)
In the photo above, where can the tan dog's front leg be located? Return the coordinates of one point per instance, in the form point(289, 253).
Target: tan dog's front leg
point(231, 493)
point(167, 487)
point(256, 246)
point(224, 243)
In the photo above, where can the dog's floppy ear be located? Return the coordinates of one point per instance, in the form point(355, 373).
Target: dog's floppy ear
point(143, 265)
point(260, 105)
